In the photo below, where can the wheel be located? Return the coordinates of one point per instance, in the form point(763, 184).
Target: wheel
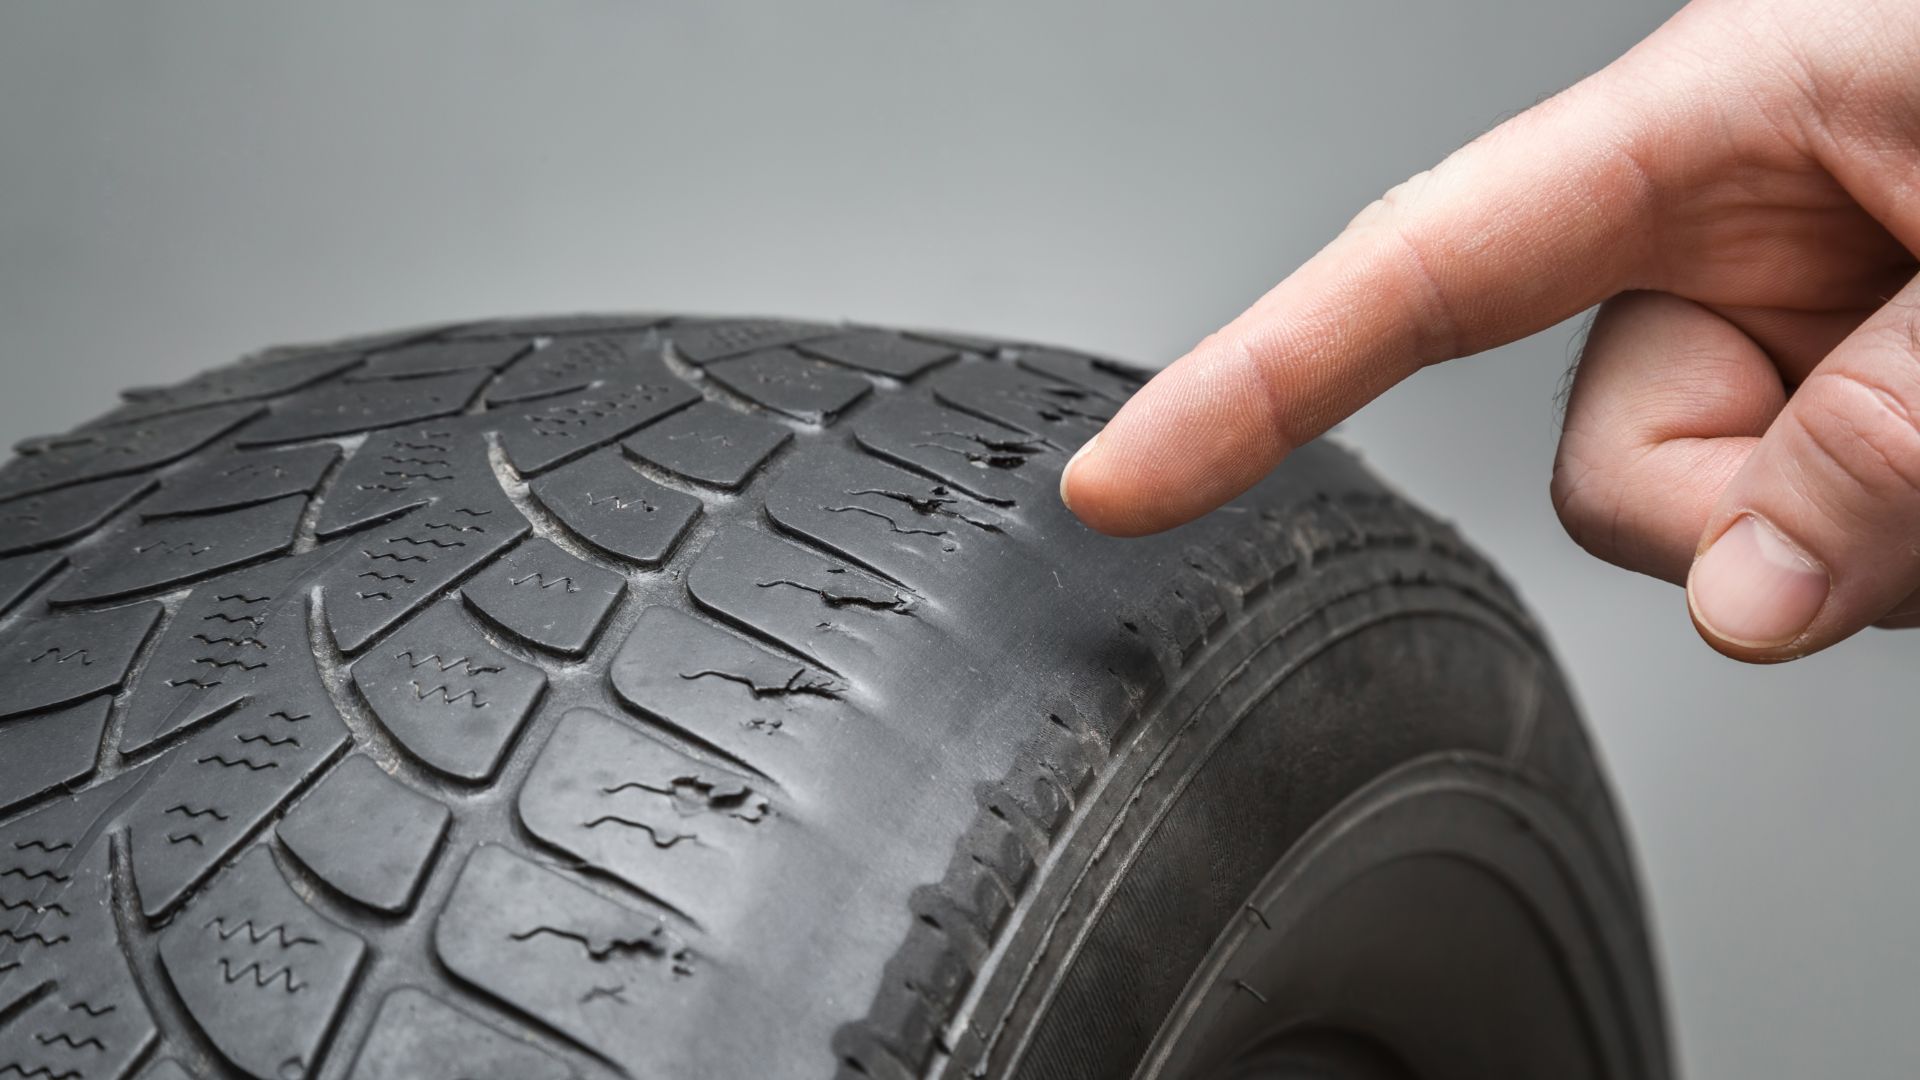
point(674, 697)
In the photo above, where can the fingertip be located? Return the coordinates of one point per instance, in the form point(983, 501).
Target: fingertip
point(1753, 593)
point(1066, 473)
point(1733, 650)
point(1099, 495)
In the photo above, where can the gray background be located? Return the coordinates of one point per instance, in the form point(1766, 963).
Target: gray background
point(179, 185)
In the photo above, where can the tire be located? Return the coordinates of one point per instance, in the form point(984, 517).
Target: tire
point(674, 697)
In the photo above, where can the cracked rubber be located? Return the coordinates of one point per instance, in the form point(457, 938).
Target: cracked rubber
point(626, 695)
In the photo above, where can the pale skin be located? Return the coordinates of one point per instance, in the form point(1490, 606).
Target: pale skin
point(1740, 195)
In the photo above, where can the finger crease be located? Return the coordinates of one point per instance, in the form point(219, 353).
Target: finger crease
point(1430, 347)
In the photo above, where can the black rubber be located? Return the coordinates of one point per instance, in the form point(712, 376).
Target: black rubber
point(679, 697)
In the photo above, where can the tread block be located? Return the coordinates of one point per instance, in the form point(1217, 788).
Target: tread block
point(1382, 523)
point(447, 694)
point(930, 966)
point(786, 382)
point(58, 460)
point(611, 506)
point(358, 344)
point(1324, 528)
point(545, 596)
point(64, 513)
point(1113, 381)
point(400, 470)
point(167, 1069)
point(1244, 565)
point(865, 1057)
point(416, 1036)
point(260, 972)
point(242, 480)
point(989, 461)
point(672, 827)
point(348, 408)
point(47, 888)
point(883, 516)
point(90, 1025)
point(405, 564)
point(366, 834)
point(703, 343)
point(437, 358)
point(172, 550)
point(880, 352)
point(980, 896)
point(22, 574)
point(709, 444)
point(965, 342)
point(57, 932)
point(744, 700)
point(243, 382)
point(541, 434)
point(1064, 416)
point(239, 636)
point(222, 784)
point(599, 972)
point(40, 753)
point(52, 661)
point(570, 364)
point(554, 326)
point(1192, 613)
point(58, 1036)
point(815, 605)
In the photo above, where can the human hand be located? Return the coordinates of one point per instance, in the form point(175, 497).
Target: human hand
point(1740, 193)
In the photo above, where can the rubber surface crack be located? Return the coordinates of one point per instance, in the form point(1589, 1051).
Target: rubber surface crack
point(797, 684)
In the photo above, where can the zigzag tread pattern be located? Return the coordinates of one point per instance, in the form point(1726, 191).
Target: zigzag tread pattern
point(642, 726)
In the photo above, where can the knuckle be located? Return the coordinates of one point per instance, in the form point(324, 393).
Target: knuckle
point(1587, 497)
point(1236, 355)
point(1401, 233)
point(1438, 334)
point(1862, 429)
point(1392, 203)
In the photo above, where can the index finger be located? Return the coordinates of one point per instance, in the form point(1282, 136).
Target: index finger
point(1538, 219)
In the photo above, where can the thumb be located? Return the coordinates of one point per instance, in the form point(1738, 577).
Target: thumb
point(1818, 535)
